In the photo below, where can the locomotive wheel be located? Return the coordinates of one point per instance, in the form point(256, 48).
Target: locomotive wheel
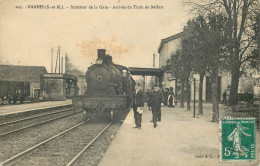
point(86, 116)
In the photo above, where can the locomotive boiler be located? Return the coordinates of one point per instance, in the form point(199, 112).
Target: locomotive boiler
point(108, 88)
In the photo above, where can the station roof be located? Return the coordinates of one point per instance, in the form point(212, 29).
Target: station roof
point(170, 38)
point(21, 73)
point(146, 71)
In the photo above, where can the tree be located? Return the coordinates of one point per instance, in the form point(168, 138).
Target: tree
point(241, 40)
point(216, 29)
point(200, 60)
point(256, 38)
point(178, 69)
point(175, 69)
point(239, 33)
point(187, 58)
point(205, 48)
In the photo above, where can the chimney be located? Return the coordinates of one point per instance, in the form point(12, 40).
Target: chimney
point(66, 63)
point(153, 60)
point(101, 53)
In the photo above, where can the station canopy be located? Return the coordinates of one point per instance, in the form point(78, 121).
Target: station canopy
point(146, 71)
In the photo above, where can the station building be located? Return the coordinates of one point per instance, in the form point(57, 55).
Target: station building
point(58, 86)
point(36, 84)
point(22, 79)
point(169, 46)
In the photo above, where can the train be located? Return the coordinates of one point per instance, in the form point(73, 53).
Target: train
point(109, 89)
point(13, 91)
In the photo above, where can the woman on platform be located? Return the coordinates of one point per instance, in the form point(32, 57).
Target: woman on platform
point(171, 98)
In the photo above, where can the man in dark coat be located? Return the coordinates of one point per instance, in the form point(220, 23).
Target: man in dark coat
point(155, 101)
point(137, 103)
point(150, 92)
point(224, 97)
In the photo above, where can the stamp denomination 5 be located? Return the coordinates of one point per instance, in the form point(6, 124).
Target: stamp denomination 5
point(238, 139)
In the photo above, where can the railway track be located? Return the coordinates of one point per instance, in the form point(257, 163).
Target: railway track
point(62, 149)
point(18, 125)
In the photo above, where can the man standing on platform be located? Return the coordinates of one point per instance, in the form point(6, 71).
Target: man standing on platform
point(224, 97)
point(137, 103)
point(155, 101)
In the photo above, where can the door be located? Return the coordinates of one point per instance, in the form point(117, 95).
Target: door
point(36, 93)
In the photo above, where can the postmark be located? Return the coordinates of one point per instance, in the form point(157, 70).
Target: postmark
point(238, 139)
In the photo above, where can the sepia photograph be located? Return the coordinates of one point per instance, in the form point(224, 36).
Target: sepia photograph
point(129, 83)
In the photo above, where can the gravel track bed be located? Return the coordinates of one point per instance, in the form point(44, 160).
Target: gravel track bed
point(95, 152)
point(15, 143)
point(17, 125)
point(92, 156)
point(61, 150)
point(13, 117)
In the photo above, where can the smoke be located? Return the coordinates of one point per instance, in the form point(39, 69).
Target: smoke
point(71, 69)
point(89, 48)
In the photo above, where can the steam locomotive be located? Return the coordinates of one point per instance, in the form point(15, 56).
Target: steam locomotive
point(108, 88)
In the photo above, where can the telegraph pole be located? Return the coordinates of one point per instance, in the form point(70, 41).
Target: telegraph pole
point(56, 62)
point(66, 61)
point(52, 60)
point(59, 57)
point(62, 64)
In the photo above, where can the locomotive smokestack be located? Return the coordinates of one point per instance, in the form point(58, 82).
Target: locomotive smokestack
point(101, 53)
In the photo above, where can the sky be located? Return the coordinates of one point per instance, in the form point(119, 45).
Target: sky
point(130, 36)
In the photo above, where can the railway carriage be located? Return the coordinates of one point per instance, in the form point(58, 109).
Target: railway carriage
point(108, 88)
point(14, 90)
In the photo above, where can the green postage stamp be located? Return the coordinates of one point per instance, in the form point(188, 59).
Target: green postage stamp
point(238, 139)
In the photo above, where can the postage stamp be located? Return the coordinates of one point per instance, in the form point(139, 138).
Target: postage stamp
point(238, 139)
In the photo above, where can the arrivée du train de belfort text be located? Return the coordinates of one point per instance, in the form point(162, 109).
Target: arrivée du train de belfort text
point(104, 7)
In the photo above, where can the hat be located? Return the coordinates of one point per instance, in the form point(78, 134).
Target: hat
point(156, 85)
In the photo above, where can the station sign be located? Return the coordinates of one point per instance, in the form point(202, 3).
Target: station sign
point(59, 75)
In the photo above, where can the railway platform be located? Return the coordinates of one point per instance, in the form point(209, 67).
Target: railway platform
point(179, 140)
point(21, 108)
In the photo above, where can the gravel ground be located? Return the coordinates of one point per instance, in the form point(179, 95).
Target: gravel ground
point(17, 125)
point(61, 150)
point(21, 115)
point(92, 156)
point(15, 143)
